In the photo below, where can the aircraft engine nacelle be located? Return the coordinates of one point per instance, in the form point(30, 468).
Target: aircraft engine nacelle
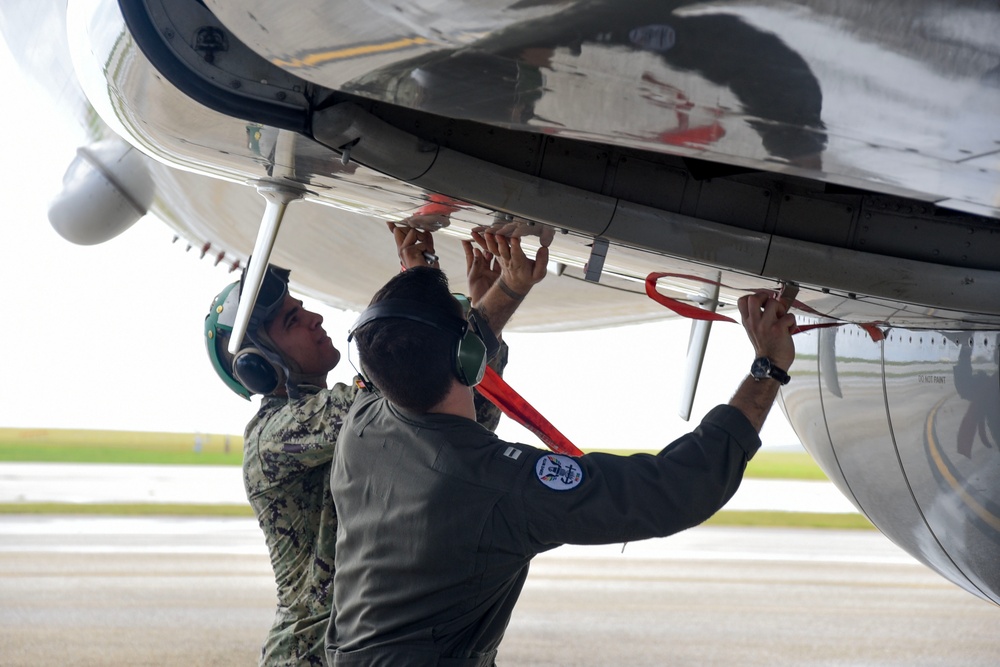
point(106, 189)
point(908, 428)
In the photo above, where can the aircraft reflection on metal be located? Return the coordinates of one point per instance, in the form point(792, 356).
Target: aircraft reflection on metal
point(851, 148)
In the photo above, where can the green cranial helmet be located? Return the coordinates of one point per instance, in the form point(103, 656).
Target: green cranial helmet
point(257, 368)
point(218, 328)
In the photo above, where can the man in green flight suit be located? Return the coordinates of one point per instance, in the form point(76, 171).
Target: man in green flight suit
point(440, 518)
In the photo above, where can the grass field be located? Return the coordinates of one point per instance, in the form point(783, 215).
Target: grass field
point(73, 446)
point(79, 446)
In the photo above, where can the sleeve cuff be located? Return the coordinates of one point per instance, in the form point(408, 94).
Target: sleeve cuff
point(734, 422)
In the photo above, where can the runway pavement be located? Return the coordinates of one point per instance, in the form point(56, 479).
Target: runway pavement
point(167, 591)
point(84, 591)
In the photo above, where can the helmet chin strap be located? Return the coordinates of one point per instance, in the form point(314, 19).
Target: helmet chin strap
point(296, 380)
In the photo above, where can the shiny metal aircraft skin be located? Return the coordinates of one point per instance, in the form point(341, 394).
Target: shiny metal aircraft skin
point(851, 147)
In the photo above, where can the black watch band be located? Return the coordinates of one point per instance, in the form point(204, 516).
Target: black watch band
point(763, 369)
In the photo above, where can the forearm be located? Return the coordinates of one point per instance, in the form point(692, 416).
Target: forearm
point(754, 399)
point(498, 305)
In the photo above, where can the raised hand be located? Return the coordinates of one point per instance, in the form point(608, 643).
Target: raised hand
point(415, 247)
point(481, 268)
point(769, 326)
point(518, 274)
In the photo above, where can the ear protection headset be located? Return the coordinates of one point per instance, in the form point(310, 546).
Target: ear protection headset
point(257, 366)
point(469, 355)
point(256, 372)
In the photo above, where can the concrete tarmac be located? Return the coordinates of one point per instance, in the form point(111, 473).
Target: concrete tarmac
point(82, 591)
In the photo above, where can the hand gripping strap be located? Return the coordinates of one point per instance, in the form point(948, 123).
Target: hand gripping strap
point(695, 313)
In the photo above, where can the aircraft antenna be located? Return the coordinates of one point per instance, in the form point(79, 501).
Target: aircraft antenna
point(697, 346)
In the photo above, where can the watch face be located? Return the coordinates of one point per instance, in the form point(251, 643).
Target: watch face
point(761, 368)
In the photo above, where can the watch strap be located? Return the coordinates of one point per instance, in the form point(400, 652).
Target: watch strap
point(779, 375)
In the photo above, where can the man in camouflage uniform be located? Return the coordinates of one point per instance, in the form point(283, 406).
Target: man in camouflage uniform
point(289, 443)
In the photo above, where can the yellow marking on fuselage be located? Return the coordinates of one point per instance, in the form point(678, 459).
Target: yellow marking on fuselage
point(314, 59)
point(969, 501)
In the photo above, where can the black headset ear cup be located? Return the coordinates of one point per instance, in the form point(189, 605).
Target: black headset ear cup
point(470, 359)
point(255, 371)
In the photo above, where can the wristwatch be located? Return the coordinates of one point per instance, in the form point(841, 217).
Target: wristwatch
point(763, 369)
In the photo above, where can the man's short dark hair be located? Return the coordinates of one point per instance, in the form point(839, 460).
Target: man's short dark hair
point(411, 363)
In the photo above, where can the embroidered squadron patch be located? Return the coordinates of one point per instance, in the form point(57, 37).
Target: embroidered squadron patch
point(558, 472)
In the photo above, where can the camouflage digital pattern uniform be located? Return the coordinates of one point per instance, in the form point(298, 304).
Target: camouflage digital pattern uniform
point(286, 472)
point(287, 455)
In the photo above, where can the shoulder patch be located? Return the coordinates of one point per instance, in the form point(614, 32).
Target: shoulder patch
point(558, 472)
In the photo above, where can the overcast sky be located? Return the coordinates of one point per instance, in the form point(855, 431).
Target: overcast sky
point(110, 336)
